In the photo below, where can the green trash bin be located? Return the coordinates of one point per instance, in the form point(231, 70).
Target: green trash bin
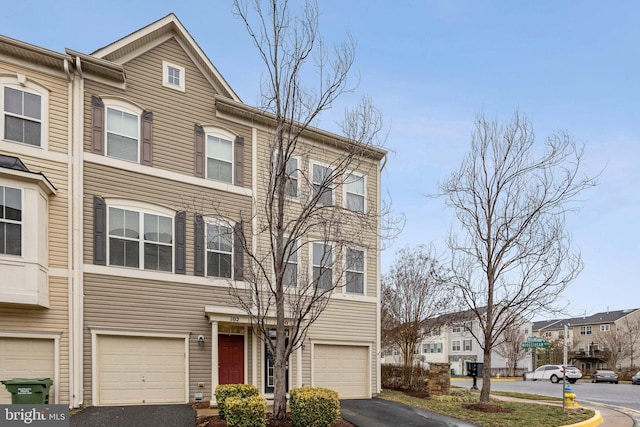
point(26, 391)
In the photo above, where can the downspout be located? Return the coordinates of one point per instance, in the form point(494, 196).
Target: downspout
point(77, 220)
point(70, 337)
point(379, 284)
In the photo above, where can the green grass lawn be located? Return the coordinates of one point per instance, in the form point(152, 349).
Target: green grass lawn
point(521, 415)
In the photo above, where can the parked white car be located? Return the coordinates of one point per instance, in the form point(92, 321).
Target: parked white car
point(554, 373)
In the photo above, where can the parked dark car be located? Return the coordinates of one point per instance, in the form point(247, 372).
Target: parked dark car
point(636, 378)
point(602, 376)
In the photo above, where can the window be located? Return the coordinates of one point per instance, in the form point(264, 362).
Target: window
point(140, 240)
point(547, 334)
point(173, 76)
point(219, 158)
point(354, 189)
point(219, 250)
point(605, 328)
point(455, 345)
point(434, 332)
point(22, 116)
point(432, 348)
point(322, 265)
point(291, 171)
point(355, 271)
point(585, 330)
point(123, 130)
point(291, 263)
point(580, 346)
point(10, 221)
point(321, 178)
point(467, 345)
point(456, 328)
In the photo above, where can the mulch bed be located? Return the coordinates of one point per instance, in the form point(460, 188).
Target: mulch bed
point(215, 421)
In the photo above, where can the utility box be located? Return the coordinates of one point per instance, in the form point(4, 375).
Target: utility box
point(29, 390)
point(474, 369)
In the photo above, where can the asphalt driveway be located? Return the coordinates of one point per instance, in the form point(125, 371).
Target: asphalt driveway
point(135, 416)
point(385, 413)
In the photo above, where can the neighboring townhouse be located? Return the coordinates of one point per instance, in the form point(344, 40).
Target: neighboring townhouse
point(449, 339)
point(126, 177)
point(36, 267)
point(593, 340)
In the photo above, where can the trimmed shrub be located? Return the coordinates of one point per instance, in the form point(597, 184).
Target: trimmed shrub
point(224, 391)
point(246, 411)
point(314, 407)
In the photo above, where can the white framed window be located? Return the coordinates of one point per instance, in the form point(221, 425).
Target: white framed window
point(321, 183)
point(585, 330)
point(322, 264)
point(219, 246)
point(24, 106)
point(354, 260)
point(455, 345)
point(173, 76)
point(432, 348)
point(220, 157)
point(581, 346)
point(292, 186)
point(122, 125)
point(456, 328)
point(467, 345)
point(140, 239)
point(354, 192)
point(10, 221)
point(605, 328)
point(291, 263)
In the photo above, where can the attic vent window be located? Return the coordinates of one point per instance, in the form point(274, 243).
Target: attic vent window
point(173, 76)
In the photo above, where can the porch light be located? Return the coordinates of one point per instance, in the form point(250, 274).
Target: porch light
point(201, 340)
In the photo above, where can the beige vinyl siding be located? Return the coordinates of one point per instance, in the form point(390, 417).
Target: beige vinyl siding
point(111, 182)
point(174, 112)
point(150, 306)
point(53, 320)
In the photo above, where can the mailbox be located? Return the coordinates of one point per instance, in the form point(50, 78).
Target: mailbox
point(474, 369)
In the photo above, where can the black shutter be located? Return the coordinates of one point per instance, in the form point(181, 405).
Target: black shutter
point(238, 252)
point(99, 231)
point(97, 125)
point(198, 251)
point(239, 160)
point(199, 148)
point(146, 143)
point(181, 243)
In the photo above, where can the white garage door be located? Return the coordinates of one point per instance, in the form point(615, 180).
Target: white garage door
point(139, 370)
point(25, 358)
point(342, 368)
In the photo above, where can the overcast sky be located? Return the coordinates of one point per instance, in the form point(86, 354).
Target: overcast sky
point(432, 66)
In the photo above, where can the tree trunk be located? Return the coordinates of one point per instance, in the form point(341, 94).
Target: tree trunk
point(280, 377)
point(486, 376)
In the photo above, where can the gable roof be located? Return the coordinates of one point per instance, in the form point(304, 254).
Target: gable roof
point(594, 319)
point(123, 49)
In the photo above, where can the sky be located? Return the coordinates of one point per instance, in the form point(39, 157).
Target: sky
point(432, 67)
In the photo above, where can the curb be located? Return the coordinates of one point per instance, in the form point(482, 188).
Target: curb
point(596, 420)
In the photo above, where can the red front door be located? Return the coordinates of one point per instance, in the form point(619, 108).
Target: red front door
point(231, 359)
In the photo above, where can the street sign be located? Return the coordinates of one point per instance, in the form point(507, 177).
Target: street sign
point(535, 344)
point(535, 339)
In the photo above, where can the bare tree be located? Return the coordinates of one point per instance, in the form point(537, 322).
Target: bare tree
point(293, 210)
point(615, 342)
point(512, 253)
point(510, 347)
point(414, 291)
point(629, 327)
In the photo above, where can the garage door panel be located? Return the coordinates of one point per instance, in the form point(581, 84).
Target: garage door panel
point(25, 358)
point(342, 368)
point(140, 370)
